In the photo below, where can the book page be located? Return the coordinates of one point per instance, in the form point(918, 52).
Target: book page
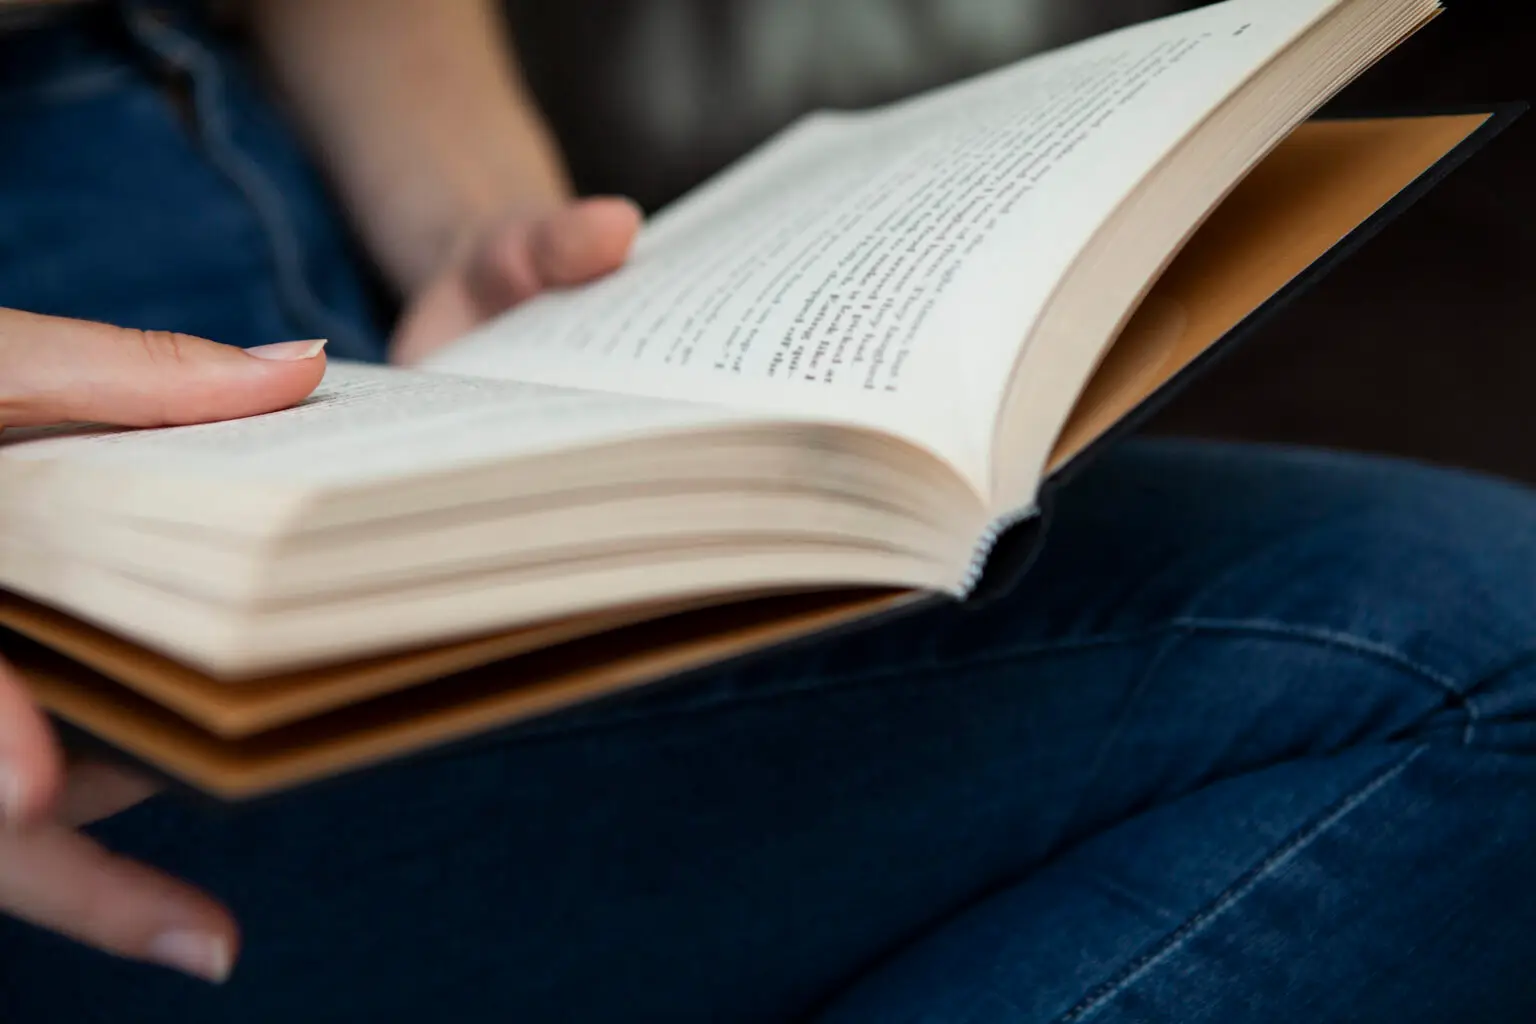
point(363, 425)
point(886, 267)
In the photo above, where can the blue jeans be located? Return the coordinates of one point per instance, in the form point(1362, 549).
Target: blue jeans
point(1254, 741)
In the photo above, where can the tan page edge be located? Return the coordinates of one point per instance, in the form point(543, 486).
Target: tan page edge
point(1325, 180)
point(414, 720)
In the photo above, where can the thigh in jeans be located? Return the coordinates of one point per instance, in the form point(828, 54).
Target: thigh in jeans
point(1252, 741)
point(144, 181)
point(1318, 799)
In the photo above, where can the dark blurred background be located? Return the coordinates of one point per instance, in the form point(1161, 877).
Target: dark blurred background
point(1422, 344)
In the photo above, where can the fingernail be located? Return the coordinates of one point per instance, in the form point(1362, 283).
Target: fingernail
point(289, 351)
point(202, 956)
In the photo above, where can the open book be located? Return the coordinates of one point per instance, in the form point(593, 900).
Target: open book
point(825, 385)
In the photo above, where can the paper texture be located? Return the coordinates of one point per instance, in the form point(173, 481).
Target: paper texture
point(885, 268)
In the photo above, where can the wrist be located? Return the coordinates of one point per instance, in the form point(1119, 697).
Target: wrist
point(419, 114)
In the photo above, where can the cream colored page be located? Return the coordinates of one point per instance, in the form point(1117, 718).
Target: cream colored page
point(884, 268)
point(368, 423)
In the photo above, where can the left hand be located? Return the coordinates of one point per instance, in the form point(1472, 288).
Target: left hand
point(511, 260)
point(56, 370)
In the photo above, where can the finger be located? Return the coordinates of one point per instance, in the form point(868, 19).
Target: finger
point(62, 881)
point(568, 247)
point(443, 312)
point(93, 791)
point(584, 241)
point(55, 370)
point(31, 767)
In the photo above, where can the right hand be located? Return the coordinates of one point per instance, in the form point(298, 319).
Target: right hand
point(54, 370)
point(510, 259)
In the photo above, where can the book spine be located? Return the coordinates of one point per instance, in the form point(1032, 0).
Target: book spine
point(988, 542)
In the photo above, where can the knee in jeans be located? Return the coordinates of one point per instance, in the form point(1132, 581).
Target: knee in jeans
point(1436, 565)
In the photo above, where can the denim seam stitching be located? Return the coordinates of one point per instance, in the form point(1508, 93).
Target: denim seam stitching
point(1099, 997)
point(1331, 638)
point(294, 291)
point(1112, 736)
point(1470, 730)
point(1474, 715)
point(1193, 626)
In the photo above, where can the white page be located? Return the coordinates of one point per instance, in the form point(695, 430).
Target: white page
point(369, 423)
point(885, 268)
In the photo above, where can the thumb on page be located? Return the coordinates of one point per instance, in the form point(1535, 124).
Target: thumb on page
point(57, 370)
point(568, 246)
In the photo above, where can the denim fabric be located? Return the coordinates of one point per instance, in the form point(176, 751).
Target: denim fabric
point(1255, 740)
point(143, 182)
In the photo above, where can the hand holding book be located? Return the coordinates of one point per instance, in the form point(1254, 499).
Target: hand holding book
point(59, 371)
point(509, 261)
